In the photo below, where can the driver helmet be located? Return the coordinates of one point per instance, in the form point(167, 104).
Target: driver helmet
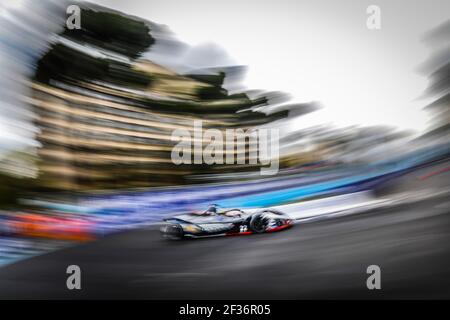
point(212, 209)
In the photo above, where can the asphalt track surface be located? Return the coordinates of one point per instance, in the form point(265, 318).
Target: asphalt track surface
point(320, 260)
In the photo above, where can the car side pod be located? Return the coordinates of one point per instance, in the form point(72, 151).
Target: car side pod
point(172, 231)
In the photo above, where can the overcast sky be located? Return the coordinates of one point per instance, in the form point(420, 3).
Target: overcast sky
point(316, 50)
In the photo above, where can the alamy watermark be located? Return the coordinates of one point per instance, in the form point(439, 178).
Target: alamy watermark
point(374, 280)
point(232, 146)
point(74, 20)
point(374, 19)
point(74, 280)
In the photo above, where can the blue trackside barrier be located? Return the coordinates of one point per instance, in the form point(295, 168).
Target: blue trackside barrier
point(129, 209)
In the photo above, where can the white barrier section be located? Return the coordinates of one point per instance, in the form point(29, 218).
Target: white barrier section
point(328, 205)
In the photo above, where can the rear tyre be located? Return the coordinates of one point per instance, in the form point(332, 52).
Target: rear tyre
point(172, 231)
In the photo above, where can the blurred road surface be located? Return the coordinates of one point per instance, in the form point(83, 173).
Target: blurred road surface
point(322, 259)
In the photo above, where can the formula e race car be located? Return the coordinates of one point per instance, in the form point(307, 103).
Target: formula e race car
point(226, 223)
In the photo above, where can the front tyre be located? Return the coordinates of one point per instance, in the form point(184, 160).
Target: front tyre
point(258, 223)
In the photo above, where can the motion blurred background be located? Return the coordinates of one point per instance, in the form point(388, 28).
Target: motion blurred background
point(86, 115)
